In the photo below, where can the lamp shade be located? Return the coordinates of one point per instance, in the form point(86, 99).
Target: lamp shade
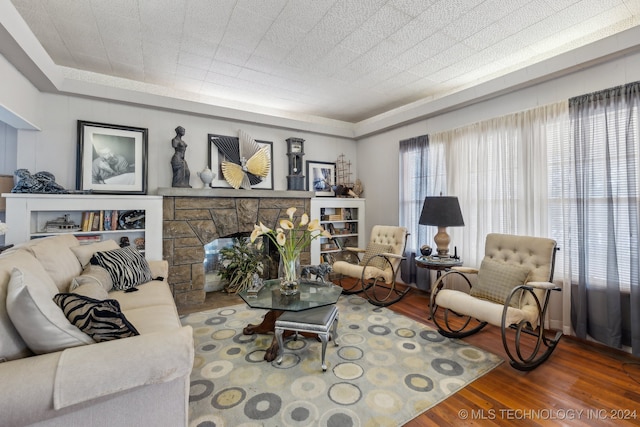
point(441, 211)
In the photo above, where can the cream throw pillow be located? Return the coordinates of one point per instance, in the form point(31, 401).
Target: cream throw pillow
point(92, 290)
point(372, 250)
point(85, 252)
point(40, 322)
point(93, 274)
point(497, 279)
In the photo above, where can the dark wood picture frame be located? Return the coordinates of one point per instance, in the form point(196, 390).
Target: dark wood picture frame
point(111, 159)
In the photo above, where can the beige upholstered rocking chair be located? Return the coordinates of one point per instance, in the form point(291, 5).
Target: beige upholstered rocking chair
point(378, 267)
point(512, 291)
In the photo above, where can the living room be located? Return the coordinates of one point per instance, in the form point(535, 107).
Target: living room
point(38, 127)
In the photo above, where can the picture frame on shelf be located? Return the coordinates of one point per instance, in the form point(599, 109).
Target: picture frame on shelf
point(111, 159)
point(216, 157)
point(321, 178)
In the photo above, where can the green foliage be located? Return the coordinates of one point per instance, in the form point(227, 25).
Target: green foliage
point(239, 262)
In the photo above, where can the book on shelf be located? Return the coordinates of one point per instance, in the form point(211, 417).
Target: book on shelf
point(106, 220)
point(87, 239)
point(85, 221)
point(95, 221)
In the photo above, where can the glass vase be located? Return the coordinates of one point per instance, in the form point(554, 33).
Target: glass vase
point(289, 274)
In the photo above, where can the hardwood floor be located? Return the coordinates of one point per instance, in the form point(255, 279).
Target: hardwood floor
point(582, 384)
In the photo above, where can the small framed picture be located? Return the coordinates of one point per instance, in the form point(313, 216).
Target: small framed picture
point(216, 157)
point(111, 159)
point(321, 178)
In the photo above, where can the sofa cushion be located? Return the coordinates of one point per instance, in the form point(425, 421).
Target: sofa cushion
point(496, 280)
point(40, 322)
point(151, 293)
point(372, 250)
point(85, 252)
point(155, 318)
point(92, 274)
point(55, 255)
point(126, 266)
point(102, 320)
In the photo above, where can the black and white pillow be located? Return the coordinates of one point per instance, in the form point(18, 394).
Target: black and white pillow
point(101, 320)
point(126, 266)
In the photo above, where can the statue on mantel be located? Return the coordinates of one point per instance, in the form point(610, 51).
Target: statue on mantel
point(181, 173)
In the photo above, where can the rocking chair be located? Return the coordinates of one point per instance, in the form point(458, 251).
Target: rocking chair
point(378, 266)
point(512, 292)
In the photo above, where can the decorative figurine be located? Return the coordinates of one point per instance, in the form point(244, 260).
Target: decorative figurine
point(40, 182)
point(124, 242)
point(181, 173)
point(320, 271)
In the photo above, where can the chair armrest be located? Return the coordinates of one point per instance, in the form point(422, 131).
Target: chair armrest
point(465, 270)
point(390, 255)
point(543, 285)
point(352, 249)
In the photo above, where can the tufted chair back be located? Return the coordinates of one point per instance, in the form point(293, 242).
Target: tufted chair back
point(535, 253)
point(389, 235)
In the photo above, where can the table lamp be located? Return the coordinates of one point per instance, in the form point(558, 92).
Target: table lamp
point(442, 212)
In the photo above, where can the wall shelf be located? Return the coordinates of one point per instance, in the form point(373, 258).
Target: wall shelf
point(27, 215)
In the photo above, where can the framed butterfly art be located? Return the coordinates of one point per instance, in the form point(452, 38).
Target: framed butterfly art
point(241, 162)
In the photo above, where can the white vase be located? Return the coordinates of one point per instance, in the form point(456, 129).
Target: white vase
point(206, 176)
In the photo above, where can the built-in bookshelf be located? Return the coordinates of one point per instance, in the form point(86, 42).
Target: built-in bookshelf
point(90, 218)
point(344, 219)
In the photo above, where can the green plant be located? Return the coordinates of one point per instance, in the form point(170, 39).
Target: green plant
point(239, 263)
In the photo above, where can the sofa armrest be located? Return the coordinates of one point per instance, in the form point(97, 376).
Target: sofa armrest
point(126, 363)
point(159, 268)
point(35, 388)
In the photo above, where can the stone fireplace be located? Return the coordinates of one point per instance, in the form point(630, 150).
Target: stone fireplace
point(194, 217)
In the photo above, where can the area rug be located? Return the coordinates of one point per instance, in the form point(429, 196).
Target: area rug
point(386, 370)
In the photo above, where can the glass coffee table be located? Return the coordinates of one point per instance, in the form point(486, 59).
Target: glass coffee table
point(310, 295)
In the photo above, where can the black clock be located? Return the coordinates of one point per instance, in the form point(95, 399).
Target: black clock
point(295, 151)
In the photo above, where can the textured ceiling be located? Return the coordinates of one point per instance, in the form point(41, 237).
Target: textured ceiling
point(347, 59)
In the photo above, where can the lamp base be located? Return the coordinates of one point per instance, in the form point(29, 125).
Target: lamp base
point(442, 242)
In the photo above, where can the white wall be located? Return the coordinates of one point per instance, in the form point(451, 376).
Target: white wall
point(8, 149)
point(54, 147)
point(18, 98)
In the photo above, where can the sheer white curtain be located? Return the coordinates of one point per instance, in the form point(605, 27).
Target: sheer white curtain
point(498, 170)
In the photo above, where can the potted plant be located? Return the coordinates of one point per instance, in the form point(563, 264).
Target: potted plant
point(239, 262)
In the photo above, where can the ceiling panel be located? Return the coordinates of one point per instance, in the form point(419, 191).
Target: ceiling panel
point(339, 59)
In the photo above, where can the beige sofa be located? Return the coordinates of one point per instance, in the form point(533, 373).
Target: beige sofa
point(134, 381)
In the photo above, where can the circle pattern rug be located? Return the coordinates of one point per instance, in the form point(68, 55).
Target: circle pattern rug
point(386, 370)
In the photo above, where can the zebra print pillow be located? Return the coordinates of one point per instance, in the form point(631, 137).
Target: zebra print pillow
point(126, 266)
point(101, 320)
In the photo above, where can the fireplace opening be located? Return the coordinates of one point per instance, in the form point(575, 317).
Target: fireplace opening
point(213, 260)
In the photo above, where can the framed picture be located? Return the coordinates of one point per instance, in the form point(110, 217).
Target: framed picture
point(111, 159)
point(216, 157)
point(321, 178)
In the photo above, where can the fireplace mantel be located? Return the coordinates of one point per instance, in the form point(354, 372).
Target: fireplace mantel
point(230, 192)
